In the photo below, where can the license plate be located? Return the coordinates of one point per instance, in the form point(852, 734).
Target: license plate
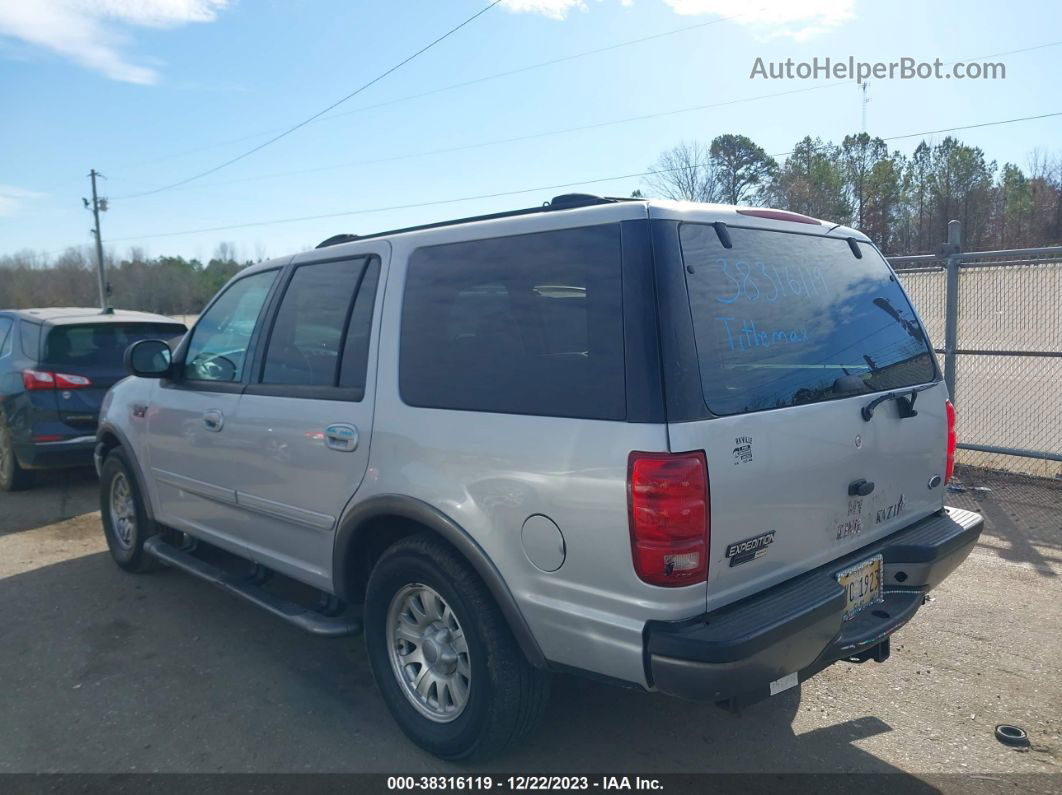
point(862, 586)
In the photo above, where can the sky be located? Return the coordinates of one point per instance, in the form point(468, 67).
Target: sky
point(153, 92)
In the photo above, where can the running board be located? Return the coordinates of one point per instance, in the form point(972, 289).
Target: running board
point(303, 617)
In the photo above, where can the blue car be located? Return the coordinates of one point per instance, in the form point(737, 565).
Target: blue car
point(55, 367)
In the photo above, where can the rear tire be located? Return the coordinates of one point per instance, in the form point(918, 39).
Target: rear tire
point(426, 608)
point(12, 476)
point(125, 521)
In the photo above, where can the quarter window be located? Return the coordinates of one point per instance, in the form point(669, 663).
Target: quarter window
point(531, 324)
point(31, 339)
point(218, 348)
point(5, 332)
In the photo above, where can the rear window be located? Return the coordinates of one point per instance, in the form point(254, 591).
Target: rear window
point(100, 344)
point(783, 319)
point(531, 324)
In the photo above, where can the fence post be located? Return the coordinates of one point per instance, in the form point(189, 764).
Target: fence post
point(951, 306)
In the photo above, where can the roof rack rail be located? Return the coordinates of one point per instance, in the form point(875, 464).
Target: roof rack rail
point(566, 201)
point(335, 240)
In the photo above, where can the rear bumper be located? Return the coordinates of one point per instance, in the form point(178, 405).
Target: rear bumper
point(735, 653)
point(76, 452)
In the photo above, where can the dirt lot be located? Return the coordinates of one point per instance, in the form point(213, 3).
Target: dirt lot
point(104, 671)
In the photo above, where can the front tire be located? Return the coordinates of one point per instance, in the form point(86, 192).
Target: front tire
point(12, 476)
point(125, 522)
point(443, 657)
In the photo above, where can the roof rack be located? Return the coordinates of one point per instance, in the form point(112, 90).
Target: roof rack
point(567, 201)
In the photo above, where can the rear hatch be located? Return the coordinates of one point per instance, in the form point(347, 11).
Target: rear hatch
point(795, 334)
point(86, 359)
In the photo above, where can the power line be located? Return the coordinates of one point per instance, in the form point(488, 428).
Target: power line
point(539, 188)
point(518, 138)
point(463, 84)
point(320, 113)
point(562, 131)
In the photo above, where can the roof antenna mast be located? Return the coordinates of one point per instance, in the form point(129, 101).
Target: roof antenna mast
point(866, 101)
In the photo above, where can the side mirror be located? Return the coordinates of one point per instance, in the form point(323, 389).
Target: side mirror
point(148, 359)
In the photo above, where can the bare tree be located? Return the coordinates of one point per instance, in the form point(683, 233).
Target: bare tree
point(226, 252)
point(685, 173)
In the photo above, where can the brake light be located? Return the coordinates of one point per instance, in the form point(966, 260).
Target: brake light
point(67, 381)
point(35, 380)
point(667, 500)
point(779, 215)
point(949, 467)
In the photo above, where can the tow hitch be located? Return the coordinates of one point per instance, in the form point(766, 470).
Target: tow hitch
point(879, 653)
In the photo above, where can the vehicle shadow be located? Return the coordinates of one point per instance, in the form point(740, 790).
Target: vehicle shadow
point(56, 495)
point(108, 672)
point(1023, 523)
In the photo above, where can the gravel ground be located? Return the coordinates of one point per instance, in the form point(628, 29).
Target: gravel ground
point(107, 672)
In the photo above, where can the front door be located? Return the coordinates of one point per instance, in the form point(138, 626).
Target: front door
point(305, 419)
point(193, 455)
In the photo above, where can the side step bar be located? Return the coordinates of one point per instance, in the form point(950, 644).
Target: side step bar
point(304, 618)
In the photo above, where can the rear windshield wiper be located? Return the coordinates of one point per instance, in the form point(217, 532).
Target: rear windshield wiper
point(905, 401)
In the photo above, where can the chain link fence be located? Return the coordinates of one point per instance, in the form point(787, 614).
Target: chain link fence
point(1006, 374)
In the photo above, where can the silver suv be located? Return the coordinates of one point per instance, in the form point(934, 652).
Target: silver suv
point(695, 449)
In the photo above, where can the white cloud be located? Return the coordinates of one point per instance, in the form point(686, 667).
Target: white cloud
point(85, 30)
point(555, 9)
point(12, 197)
point(768, 19)
point(797, 19)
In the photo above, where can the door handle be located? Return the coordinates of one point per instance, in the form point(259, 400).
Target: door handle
point(341, 437)
point(214, 420)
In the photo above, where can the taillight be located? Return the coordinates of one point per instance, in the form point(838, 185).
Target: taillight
point(669, 517)
point(949, 467)
point(67, 381)
point(35, 380)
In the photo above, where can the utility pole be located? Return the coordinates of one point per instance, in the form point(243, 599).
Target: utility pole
point(98, 205)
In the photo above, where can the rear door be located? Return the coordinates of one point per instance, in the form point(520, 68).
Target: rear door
point(305, 420)
point(88, 357)
point(795, 335)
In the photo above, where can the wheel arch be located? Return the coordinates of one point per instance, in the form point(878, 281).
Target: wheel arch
point(372, 525)
point(109, 437)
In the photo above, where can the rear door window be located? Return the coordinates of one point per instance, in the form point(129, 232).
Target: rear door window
point(353, 368)
point(530, 324)
point(100, 344)
point(783, 319)
point(323, 322)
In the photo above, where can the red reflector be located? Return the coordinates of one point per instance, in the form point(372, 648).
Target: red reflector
point(669, 517)
point(67, 381)
point(949, 467)
point(37, 379)
point(49, 438)
point(779, 215)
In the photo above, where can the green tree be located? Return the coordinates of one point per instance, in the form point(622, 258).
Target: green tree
point(811, 182)
point(743, 169)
